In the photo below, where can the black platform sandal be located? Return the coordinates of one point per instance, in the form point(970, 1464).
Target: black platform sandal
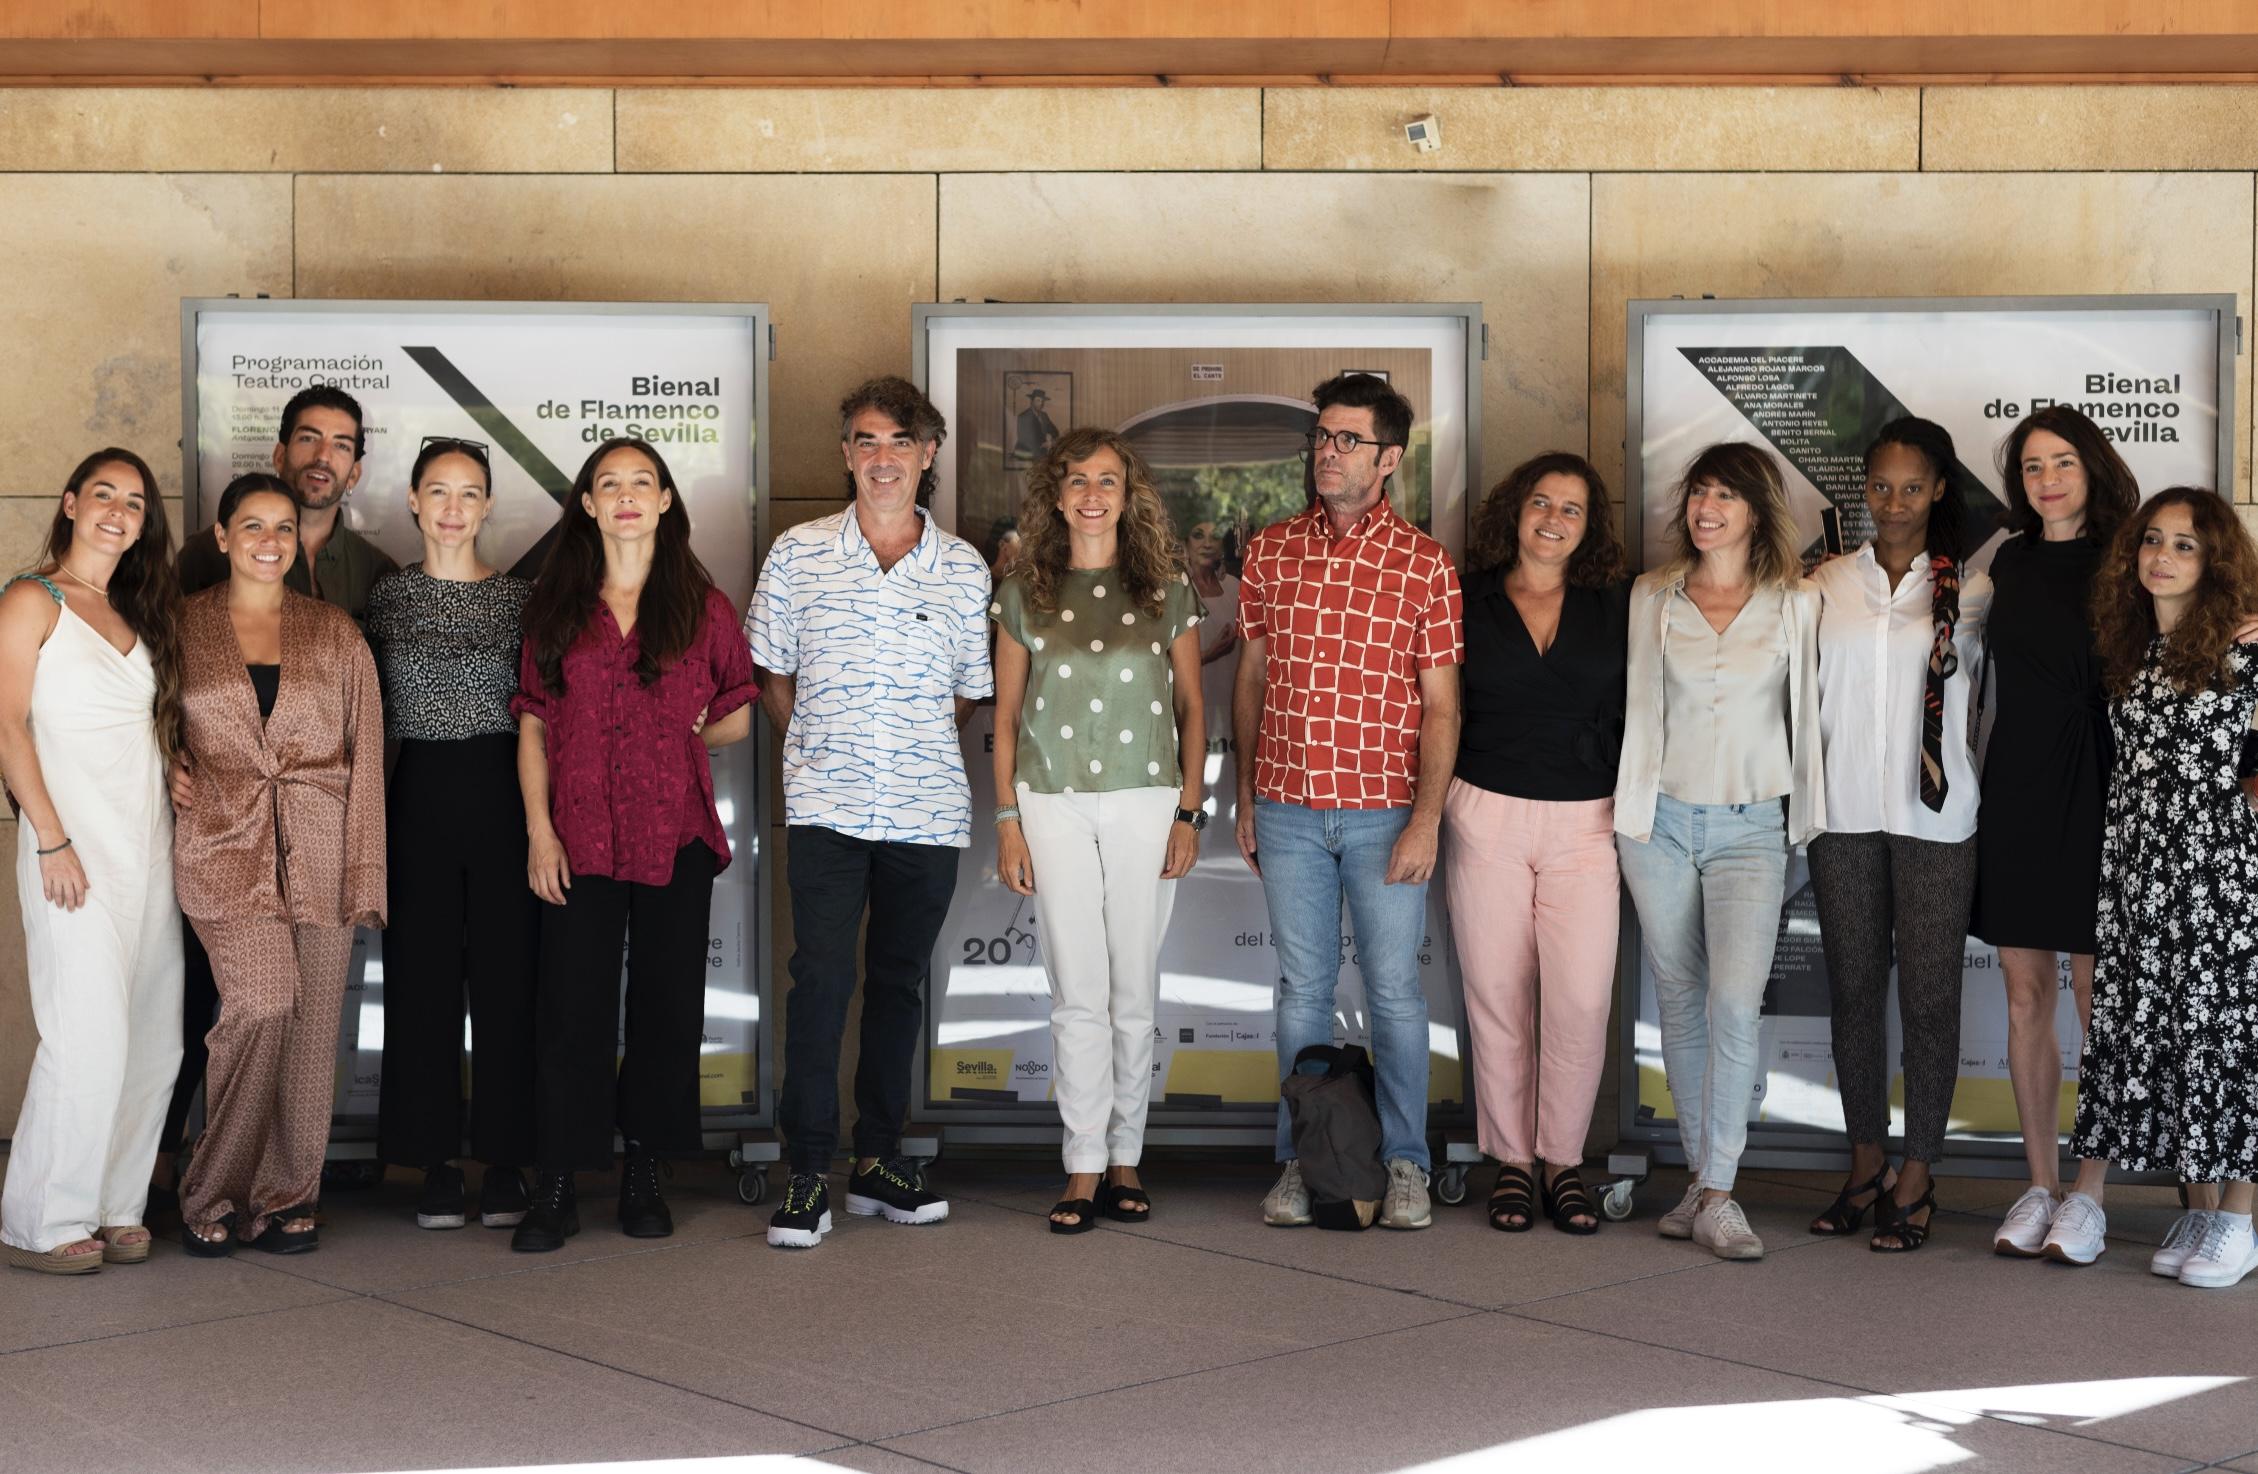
point(1566, 1199)
point(1891, 1221)
point(1085, 1215)
point(1124, 1204)
point(1514, 1196)
point(1843, 1216)
point(275, 1239)
point(199, 1247)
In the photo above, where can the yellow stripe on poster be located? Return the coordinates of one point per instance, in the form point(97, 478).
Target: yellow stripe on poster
point(1988, 1107)
point(726, 1079)
point(1231, 1075)
point(968, 1069)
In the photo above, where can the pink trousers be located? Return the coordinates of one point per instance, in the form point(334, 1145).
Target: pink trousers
point(1534, 905)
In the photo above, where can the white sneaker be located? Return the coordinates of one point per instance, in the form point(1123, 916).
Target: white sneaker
point(2229, 1251)
point(2023, 1231)
point(2180, 1241)
point(1287, 1205)
point(1722, 1228)
point(1678, 1223)
point(2076, 1237)
point(1407, 1205)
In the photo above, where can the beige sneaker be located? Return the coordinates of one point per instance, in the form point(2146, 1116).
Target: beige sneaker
point(1678, 1223)
point(1407, 1205)
point(1287, 1206)
point(1723, 1230)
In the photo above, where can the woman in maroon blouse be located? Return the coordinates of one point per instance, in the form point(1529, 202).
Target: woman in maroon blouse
point(633, 666)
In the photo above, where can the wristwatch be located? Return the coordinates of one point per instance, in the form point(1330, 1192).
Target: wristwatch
point(1197, 818)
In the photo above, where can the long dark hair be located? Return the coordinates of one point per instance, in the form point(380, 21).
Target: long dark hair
point(1598, 559)
point(2124, 612)
point(673, 601)
point(144, 590)
point(2112, 492)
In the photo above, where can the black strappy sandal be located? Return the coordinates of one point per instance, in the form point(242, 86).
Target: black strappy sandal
point(1085, 1215)
point(1514, 1196)
point(1123, 1203)
point(1566, 1199)
point(1891, 1221)
point(199, 1247)
point(1843, 1216)
point(275, 1239)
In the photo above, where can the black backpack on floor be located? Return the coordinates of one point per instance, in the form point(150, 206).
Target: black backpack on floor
point(1333, 1104)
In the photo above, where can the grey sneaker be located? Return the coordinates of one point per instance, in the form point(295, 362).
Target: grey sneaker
point(1679, 1221)
point(1407, 1205)
point(1287, 1206)
point(1723, 1230)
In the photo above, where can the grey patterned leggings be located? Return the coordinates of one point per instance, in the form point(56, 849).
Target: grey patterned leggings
point(1869, 887)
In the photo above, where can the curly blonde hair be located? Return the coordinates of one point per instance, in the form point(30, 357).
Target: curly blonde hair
point(1150, 556)
point(2124, 612)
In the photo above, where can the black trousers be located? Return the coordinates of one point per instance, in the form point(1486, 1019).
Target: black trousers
point(463, 920)
point(907, 888)
point(585, 1082)
point(199, 1010)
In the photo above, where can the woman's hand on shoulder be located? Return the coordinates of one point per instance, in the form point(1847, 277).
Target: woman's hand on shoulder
point(2247, 632)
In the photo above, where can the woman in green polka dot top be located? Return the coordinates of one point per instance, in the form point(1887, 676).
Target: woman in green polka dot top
point(1099, 739)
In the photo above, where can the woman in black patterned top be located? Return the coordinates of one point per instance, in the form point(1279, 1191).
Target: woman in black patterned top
point(447, 633)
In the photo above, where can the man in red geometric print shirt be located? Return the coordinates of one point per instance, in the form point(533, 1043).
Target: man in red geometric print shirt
point(1351, 635)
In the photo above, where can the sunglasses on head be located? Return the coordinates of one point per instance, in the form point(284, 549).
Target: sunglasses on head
point(475, 449)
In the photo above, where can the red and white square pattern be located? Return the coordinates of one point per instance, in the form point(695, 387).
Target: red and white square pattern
point(1351, 622)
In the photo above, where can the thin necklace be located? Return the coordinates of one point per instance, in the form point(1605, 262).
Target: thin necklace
point(65, 569)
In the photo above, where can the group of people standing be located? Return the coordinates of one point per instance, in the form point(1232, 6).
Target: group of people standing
point(1547, 735)
point(206, 737)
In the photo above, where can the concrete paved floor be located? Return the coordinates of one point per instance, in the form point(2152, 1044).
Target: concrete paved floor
point(1200, 1341)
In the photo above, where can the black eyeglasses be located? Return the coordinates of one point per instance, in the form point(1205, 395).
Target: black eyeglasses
point(476, 449)
point(1347, 442)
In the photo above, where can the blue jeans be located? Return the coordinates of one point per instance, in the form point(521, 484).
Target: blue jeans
point(1310, 857)
point(1708, 883)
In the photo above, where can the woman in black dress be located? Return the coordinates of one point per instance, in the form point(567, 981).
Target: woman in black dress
point(2046, 771)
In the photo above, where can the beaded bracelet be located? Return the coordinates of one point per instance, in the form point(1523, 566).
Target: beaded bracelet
point(43, 854)
point(1008, 811)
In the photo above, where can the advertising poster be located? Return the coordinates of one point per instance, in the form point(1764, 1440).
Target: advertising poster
point(1218, 404)
point(541, 385)
point(1812, 382)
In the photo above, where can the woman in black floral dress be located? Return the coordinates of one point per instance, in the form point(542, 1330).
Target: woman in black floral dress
point(2170, 1076)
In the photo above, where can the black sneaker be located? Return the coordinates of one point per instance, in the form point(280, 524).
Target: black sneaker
point(895, 1187)
point(553, 1216)
point(501, 1198)
point(805, 1216)
point(441, 1205)
point(642, 1212)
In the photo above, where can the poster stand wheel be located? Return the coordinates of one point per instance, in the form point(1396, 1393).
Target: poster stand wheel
point(750, 1158)
point(1629, 1169)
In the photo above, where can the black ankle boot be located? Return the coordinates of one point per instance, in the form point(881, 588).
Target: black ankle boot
point(553, 1217)
point(642, 1212)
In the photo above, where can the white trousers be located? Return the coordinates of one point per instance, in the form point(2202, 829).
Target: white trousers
point(105, 992)
point(1102, 909)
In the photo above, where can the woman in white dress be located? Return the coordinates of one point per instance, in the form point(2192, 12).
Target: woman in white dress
point(89, 717)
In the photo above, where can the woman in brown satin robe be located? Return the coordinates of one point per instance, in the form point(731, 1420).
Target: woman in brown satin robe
point(278, 854)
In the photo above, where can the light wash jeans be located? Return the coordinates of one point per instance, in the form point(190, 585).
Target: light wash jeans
point(1708, 883)
point(1310, 858)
